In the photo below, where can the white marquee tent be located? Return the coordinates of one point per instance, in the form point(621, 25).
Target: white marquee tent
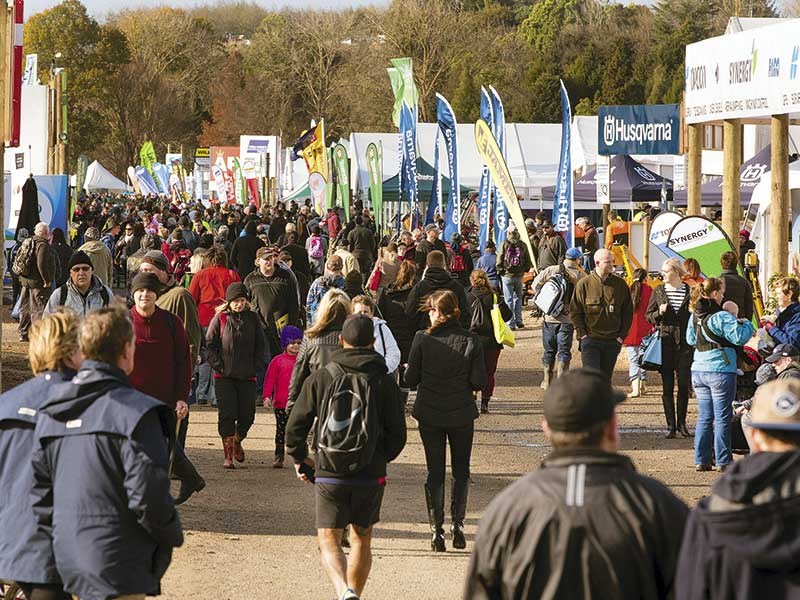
point(99, 178)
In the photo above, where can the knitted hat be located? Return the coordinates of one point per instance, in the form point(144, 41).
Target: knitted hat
point(235, 291)
point(91, 234)
point(157, 259)
point(79, 258)
point(290, 333)
point(148, 281)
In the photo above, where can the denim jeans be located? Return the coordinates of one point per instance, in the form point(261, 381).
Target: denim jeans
point(512, 292)
point(634, 370)
point(715, 394)
point(600, 354)
point(557, 340)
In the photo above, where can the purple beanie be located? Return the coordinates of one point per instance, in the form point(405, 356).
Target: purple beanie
point(289, 334)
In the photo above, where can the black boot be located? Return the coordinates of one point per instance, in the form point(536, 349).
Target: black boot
point(669, 414)
point(435, 501)
point(683, 405)
point(484, 405)
point(458, 509)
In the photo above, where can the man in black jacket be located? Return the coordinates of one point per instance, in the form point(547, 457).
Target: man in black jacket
point(429, 244)
point(741, 541)
point(436, 277)
point(585, 525)
point(243, 253)
point(354, 497)
point(737, 288)
point(101, 486)
point(362, 245)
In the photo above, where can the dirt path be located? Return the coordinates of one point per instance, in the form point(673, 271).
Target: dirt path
point(250, 533)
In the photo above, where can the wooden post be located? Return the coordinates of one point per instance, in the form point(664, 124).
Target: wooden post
point(732, 163)
point(60, 160)
point(779, 207)
point(51, 129)
point(694, 170)
point(5, 87)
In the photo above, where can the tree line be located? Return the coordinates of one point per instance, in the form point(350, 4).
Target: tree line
point(207, 75)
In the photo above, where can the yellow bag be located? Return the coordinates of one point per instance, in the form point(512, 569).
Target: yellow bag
point(502, 333)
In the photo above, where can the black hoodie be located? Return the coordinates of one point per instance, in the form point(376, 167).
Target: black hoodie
point(391, 413)
point(742, 541)
point(435, 278)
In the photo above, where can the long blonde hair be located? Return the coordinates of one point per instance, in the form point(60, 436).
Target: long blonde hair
point(333, 309)
point(54, 338)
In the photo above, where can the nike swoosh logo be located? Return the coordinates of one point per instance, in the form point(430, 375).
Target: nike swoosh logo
point(334, 425)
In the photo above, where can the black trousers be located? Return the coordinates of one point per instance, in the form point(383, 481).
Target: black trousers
point(600, 354)
point(675, 359)
point(182, 467)
point(235, 406)
point(281, 418)
point(434, 441)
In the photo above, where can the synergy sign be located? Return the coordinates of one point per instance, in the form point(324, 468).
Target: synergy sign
point(639, 129)
point(743, 75)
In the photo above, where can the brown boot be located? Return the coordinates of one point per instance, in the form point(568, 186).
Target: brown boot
point(227, 447)
point(238, 451)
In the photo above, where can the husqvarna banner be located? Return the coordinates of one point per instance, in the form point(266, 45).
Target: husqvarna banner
point(484, 209)
point(447, 125)
point(639, 129)
point(563, 198)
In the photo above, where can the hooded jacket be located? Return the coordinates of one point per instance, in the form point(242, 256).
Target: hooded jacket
point(390, 410)
point(98, 296)
point(392, 307)
point(102, 261)
point(723, 324)
point(787, 326)
point(237, 350)
point(26, 553)
point(101, 485)
point(584, 525)
point(435, 278)
point(447, 367)
point(243, 253)
point(742, 541)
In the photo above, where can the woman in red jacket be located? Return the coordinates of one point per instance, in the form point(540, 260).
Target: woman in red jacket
point(640, 296)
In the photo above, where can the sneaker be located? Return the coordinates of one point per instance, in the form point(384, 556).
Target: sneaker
point(277, 463)
point(520, 325)
point(350, 595)
point(721, 468)
point(702, 468)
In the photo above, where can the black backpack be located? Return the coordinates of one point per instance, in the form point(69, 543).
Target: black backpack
point(347, 428)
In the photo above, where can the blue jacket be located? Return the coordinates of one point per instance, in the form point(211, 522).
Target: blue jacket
point(726, 326)
point(787, 326)
point(101, 487)
point(488, 263)
point(26, 554)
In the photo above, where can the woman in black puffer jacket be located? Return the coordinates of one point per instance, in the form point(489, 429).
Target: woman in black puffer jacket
point(392, 307)
point(236, 352)
point(321, 340)
point(481, 297)
point(446, 364)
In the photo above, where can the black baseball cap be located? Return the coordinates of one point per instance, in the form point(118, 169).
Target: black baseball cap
point(782, 351)
point(358, 331)
point(579, 399)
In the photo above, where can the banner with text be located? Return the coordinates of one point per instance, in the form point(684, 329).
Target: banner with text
point(446, 119)
point(484, 191)
point(639, 129)
point(701, 239)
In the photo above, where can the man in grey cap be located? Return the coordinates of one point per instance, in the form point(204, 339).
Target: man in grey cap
point(585, 520)
point(741, 541)
point(430, 243)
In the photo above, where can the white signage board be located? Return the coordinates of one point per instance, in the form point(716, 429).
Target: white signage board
point(603, 179)
point(754, 73)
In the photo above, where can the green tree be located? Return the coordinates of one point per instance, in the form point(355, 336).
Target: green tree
point(91, 54)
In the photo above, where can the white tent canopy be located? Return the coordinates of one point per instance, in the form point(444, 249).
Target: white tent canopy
point(99, 178)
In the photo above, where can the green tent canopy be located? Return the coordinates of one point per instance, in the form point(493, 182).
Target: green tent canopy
point(424, 185)
point(299, 194)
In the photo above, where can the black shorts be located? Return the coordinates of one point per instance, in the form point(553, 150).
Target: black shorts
point(340, 505)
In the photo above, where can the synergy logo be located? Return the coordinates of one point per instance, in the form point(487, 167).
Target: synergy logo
point(793, 67)
point(742, 71)
point(617, 130)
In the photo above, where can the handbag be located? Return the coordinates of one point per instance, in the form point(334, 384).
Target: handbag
point(502, 333)
point(374, 281)
point(650, 352)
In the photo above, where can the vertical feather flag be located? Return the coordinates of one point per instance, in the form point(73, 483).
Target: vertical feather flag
point(499, 130)
point(563, 200)
point(484, 191)
point(446, 119)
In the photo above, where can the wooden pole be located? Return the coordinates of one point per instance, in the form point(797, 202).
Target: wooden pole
point(694, 170)
point(732, 163)
point(5, 87)
point(779, 207)
point(51, 129)
point(59, 165)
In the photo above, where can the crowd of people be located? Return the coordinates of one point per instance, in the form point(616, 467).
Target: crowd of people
point(154, 307)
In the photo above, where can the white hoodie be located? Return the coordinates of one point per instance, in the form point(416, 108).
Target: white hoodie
point(386, 345)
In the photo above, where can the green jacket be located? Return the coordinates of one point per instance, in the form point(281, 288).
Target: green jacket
point(601, 309)
point(180, 302)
